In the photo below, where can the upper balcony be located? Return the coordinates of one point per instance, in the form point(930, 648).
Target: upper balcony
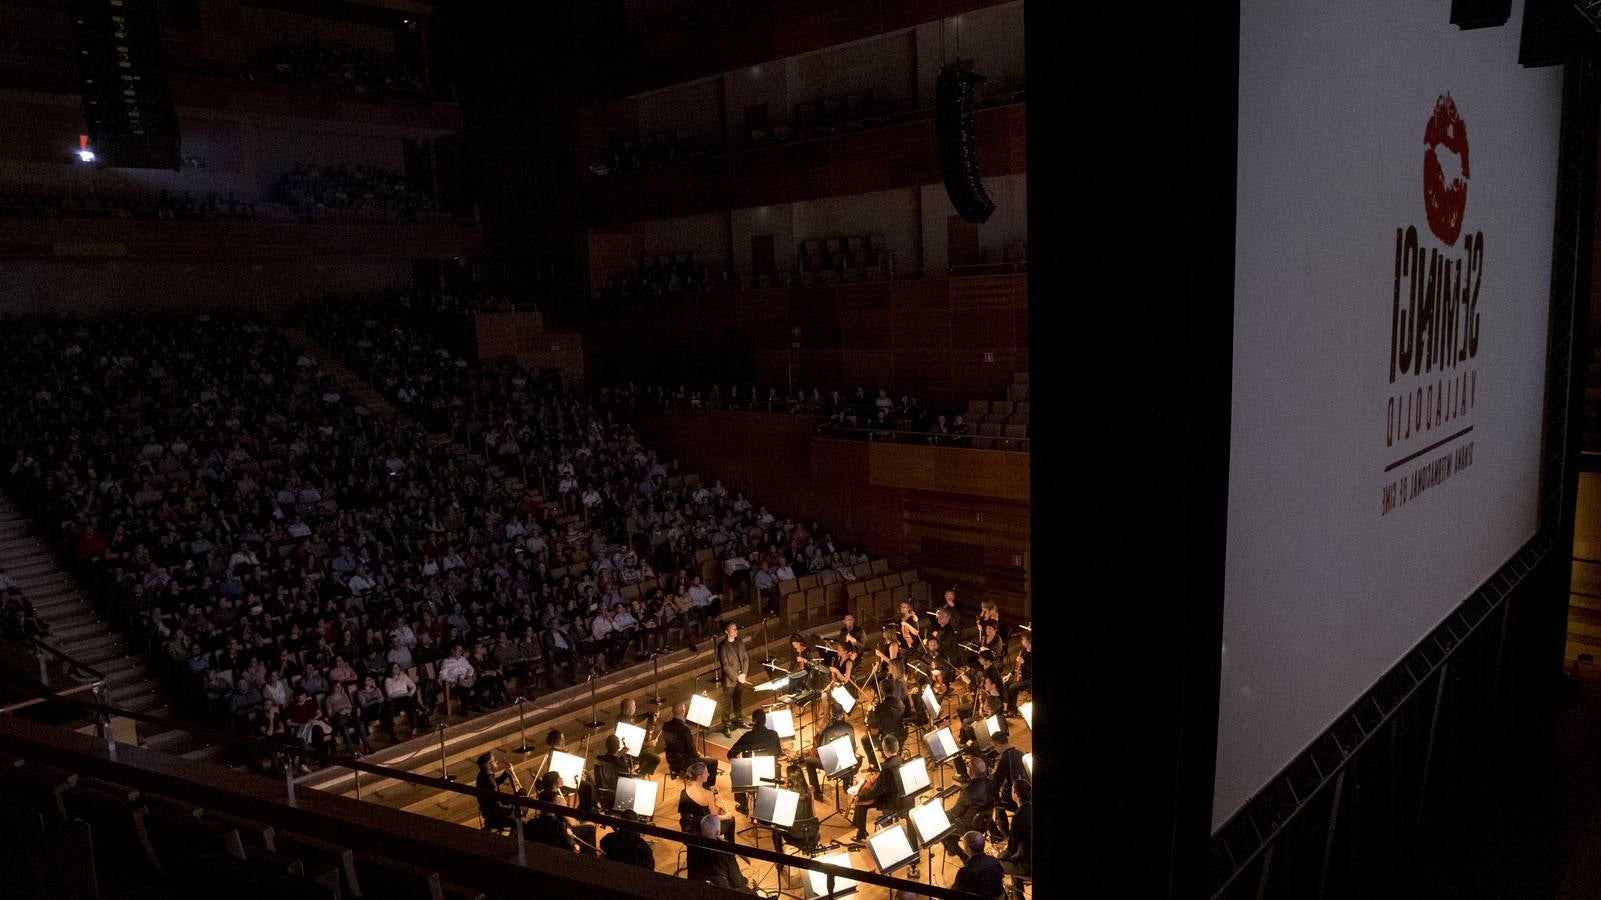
point(896, 152)
point(722, 35)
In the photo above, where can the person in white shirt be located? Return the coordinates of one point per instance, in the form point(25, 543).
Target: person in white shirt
point(402, 694)
point(244, 556)
point(360, 582)
point(299, 530)
point(458, 669)
point(515, 530)
point(403, 633)
point(784, 572)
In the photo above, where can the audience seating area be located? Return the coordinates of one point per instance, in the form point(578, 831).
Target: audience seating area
point(365, 191)
point(304, 61)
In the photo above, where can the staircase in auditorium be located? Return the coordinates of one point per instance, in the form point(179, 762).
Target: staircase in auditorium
point(78, 631)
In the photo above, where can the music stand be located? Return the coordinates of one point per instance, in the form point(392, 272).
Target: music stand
point(913, 777)
point(568, 766)
point(1027, 712)
point(982, 729)
point(838, 758)
point(782, 720)
point(701, 711)
point(1028, 763)
point(890, 848)
point(843, 698)
point(636, 796)
point(931, 825)
point(942, 748)
point(816, 883)
point(632, 738)
point(930, 704)
point(748, 773)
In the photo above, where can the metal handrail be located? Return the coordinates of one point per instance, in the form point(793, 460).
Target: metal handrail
point(70, 662)
point(258, 746)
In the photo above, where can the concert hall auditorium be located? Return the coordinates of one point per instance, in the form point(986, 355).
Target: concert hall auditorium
point(456, 449)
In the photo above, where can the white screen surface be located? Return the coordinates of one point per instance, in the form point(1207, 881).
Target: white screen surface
point(1350, 534)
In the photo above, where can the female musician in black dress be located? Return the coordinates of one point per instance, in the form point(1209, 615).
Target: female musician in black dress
point(699, 800)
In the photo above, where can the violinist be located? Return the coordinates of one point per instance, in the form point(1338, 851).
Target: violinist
point(843, 668)
point(910, 627)
point(643, 759)
point(879, 789)
point(491, 775)
point(851, 633)
point(700, 800)
point(1021, 677)
point(940, 670)
point(990, 639)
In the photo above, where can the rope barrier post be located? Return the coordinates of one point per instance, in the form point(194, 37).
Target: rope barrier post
point(357, 773)
point(522, 730)
point(522, 851)
point(289, 779)
point(444, 771)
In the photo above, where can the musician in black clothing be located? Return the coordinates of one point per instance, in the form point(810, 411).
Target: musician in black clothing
point(758, 741)
point(885, 719)
point(1009, 770)
point(610, 766)
point(550, 828)
point(885, 791)
point(714, 866)
point(1019, 856)
point(491, 775)
point(851, 633)
point(629, 848)
point(977, 796)
point(677, 742)
point(1021, 678)
point(838, 727)
point(982, 873)
point(645, 758)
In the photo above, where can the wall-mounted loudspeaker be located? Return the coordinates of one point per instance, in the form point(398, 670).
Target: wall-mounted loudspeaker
point(122, 74)
point(958, 142)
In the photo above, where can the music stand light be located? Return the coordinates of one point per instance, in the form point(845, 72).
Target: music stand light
point(747, 773)
point(816, 883)
point(636, 795)
point(701, 710)
point(570, 767)
point(930, 821)
point(941, 745)
point(913, 775)
point(931, 703)
point(843, 698)
point(782, 721)
point(775, 806)
point(632, 737)
point(890, 848)
point(1027, 711)
point(837, 756)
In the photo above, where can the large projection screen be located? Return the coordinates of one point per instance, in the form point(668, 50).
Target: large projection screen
point(1397, 182)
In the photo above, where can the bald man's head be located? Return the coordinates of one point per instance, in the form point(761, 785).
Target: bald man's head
point(712, 827)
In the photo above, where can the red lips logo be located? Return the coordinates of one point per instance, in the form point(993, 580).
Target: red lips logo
point(1445, 170)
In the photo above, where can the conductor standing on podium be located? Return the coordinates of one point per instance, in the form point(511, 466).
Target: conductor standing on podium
point(731, 662)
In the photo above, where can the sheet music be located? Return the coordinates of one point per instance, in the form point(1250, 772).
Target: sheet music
point(632, 736)
point(930, 820)
point(890, 847)
point(782, 721)
point(777, 684)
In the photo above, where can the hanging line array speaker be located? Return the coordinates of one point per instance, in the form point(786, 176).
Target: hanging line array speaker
point(122, 74)
point(957, 137)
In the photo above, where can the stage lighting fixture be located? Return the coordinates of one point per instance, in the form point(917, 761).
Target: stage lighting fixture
point(86, 155)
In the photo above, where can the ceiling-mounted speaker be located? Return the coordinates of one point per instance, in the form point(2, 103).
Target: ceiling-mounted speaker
point(122, 74)
point(957, 137)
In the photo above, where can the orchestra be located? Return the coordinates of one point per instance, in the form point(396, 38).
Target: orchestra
point(913, 653)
